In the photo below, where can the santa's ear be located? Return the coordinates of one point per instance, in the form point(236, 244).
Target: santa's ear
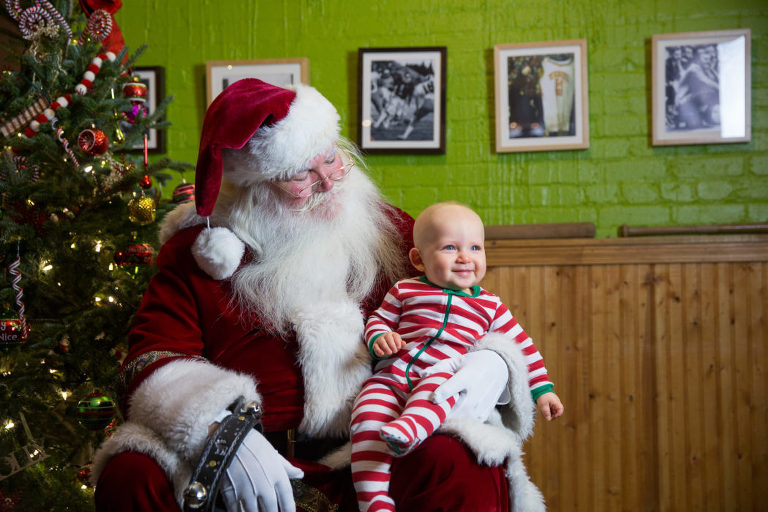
point(415, 256)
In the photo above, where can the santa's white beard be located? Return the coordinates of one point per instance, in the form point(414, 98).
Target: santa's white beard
point(328, 253)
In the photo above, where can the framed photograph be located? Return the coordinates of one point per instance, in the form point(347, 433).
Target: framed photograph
point(541, 96)
point(154, 78)
point(701, 87)
point(281, 72)
point(401, 100)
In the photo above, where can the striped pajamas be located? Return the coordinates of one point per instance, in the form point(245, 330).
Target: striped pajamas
point(393, 413)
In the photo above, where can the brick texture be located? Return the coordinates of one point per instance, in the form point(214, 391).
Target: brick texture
point(620, 179)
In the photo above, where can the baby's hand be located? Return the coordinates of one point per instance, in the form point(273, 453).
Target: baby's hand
point(387, 344)
point(550, 406)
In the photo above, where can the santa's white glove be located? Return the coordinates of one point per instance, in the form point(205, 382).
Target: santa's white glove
point(258, 478)
point(479, 383)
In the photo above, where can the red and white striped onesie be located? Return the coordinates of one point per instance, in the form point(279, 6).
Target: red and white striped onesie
point(394, 411)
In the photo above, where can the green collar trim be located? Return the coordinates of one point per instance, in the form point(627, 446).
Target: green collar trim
point(475, 289)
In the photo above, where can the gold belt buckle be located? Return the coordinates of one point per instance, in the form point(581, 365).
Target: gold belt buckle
point(290, 445)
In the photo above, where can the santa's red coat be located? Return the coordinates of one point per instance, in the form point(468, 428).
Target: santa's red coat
point(193, 351)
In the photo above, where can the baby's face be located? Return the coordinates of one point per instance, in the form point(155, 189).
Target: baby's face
point(453, 254)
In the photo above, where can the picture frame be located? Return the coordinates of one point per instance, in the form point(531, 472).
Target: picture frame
point(281, 72)
point(401, 100)
point(541, 95)
point(154, 78)
point(701, 87)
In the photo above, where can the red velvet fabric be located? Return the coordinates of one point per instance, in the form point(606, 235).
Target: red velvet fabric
point(228, 124)
point(185, 311)
point(439, 476)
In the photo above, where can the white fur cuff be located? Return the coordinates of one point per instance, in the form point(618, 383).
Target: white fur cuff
point(180, 401)
point(519, 415)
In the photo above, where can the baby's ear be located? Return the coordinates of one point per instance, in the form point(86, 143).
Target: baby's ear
point(415, 256)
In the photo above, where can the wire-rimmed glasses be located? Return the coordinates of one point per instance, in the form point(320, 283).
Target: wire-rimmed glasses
point(336, 175)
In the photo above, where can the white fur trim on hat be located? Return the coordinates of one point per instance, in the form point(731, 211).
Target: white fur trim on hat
point(283, 149)
point(218, 252)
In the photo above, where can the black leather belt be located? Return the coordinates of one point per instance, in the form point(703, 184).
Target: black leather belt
point(292, 444)
point(201, 494)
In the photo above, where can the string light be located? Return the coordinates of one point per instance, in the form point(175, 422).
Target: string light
point(9, 424)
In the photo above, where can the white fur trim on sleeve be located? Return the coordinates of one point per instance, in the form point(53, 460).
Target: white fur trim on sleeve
point(218, 252)
point(180, 401)
point(520, 414)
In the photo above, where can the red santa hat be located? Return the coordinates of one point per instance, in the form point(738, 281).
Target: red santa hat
point(282, 128)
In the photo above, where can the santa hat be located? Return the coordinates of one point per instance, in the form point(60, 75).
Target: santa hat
point(283, 129)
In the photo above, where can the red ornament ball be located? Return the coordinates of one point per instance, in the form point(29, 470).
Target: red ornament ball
point(184, 193)
point(135, 91)
point(146, 182)
point(11, 333)
point(93, 142)
point(135, 254)
point(84, 474)
point(95, 411)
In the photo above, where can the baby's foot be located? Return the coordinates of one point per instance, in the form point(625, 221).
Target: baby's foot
point(397, 440)
point(381, 503)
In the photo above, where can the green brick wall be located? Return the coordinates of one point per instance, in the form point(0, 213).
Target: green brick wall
point(620, 179)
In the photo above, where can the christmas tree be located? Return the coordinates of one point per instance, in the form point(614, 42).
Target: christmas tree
point(80, 205)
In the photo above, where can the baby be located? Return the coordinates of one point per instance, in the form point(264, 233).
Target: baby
point(423, 321)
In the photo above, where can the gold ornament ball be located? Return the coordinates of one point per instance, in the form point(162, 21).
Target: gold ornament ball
point(142, 210)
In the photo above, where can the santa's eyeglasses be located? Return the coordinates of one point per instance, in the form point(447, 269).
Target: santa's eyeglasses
point(337, 174)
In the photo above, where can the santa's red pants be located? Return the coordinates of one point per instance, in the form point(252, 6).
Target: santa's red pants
point(441, 475)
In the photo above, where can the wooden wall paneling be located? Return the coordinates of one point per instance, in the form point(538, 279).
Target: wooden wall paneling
point(605, 421)
point(710, 383)
point(549, 339)
point(638, 482)
point(759, 338)
point(743, 387)
point(694, 402)
point(724, 335)
point(575, 390)
point(661, 366)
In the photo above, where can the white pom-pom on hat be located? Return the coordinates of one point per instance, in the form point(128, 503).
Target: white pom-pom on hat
point(218, 252)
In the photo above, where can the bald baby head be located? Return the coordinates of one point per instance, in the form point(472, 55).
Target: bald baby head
point(449, 241)
point(431, 221)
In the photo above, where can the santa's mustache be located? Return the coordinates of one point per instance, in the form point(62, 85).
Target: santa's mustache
point(317, 199)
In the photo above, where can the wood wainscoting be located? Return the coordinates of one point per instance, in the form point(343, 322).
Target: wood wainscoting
point(657, 347)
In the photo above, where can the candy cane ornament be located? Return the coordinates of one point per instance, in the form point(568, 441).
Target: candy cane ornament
point(46, 115)
point(64, 142)
point(13, 269)
point(90, 75)
point(31, 18)
point(99, 26)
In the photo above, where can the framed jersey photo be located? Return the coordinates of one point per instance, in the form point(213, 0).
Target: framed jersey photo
point(401, 100)
point(541, 96)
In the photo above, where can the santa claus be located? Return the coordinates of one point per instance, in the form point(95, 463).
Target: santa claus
point(260, 299)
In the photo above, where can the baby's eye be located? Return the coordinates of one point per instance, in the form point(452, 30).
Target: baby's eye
point(449, 247)
point(477, 247)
